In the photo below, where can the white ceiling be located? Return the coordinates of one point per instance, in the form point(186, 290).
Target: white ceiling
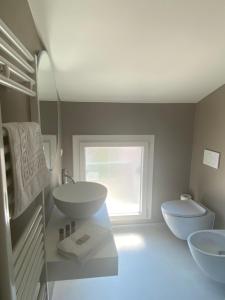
point(134, 50)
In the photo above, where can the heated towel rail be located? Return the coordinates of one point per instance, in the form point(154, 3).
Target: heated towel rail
point(29, 252)
point(22, 263)
point(16, 63)
point(28, 257)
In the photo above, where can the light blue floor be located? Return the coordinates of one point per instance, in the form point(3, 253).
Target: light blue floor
point(153, 265)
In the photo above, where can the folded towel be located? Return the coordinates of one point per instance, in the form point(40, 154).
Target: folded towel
point(84, 242)
point(30, 173)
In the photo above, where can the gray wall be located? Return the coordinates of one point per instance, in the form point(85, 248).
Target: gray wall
point(208, 184)
point(172, 125)
point(49, 117)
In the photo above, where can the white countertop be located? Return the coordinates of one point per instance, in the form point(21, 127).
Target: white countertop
point(103, 263)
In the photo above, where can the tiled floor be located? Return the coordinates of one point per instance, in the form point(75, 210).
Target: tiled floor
point(153, 265)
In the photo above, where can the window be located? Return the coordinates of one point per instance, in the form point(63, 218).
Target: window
point(124, 164)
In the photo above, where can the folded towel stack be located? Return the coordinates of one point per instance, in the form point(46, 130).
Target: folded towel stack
point(84, 242)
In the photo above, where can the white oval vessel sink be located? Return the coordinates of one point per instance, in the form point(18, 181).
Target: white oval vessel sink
point(208, 250)
point(80, 200)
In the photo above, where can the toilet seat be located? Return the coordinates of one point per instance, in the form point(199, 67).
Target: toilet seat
point(183, 208)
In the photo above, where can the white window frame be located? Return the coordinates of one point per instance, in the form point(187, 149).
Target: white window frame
point(146, 141)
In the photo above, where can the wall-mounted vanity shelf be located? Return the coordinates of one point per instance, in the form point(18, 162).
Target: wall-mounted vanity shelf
point(103, 263)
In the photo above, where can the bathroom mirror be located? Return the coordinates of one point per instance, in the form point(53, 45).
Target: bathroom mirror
point(49, 109)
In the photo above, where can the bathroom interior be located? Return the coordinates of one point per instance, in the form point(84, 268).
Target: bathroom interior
point(112, 150)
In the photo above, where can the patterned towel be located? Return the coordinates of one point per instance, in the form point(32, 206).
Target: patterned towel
point(30, 173)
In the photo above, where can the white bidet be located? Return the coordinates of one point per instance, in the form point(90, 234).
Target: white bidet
point(208, 250)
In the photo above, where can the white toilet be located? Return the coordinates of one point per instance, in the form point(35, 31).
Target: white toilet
point(184, 217)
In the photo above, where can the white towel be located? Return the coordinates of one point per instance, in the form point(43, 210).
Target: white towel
point(30, 173)
point(84, 242)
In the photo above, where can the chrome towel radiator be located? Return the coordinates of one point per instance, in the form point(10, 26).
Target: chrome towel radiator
point(28, 257)
point(23, 262)
point(28, 254)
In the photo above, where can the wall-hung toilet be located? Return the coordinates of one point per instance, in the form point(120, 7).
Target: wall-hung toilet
point(184, 217)
point(208, 250)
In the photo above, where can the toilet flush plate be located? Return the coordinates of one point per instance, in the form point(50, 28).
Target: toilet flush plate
point(211, 159)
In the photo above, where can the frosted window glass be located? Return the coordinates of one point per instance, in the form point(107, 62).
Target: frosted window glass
point(120, 169)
